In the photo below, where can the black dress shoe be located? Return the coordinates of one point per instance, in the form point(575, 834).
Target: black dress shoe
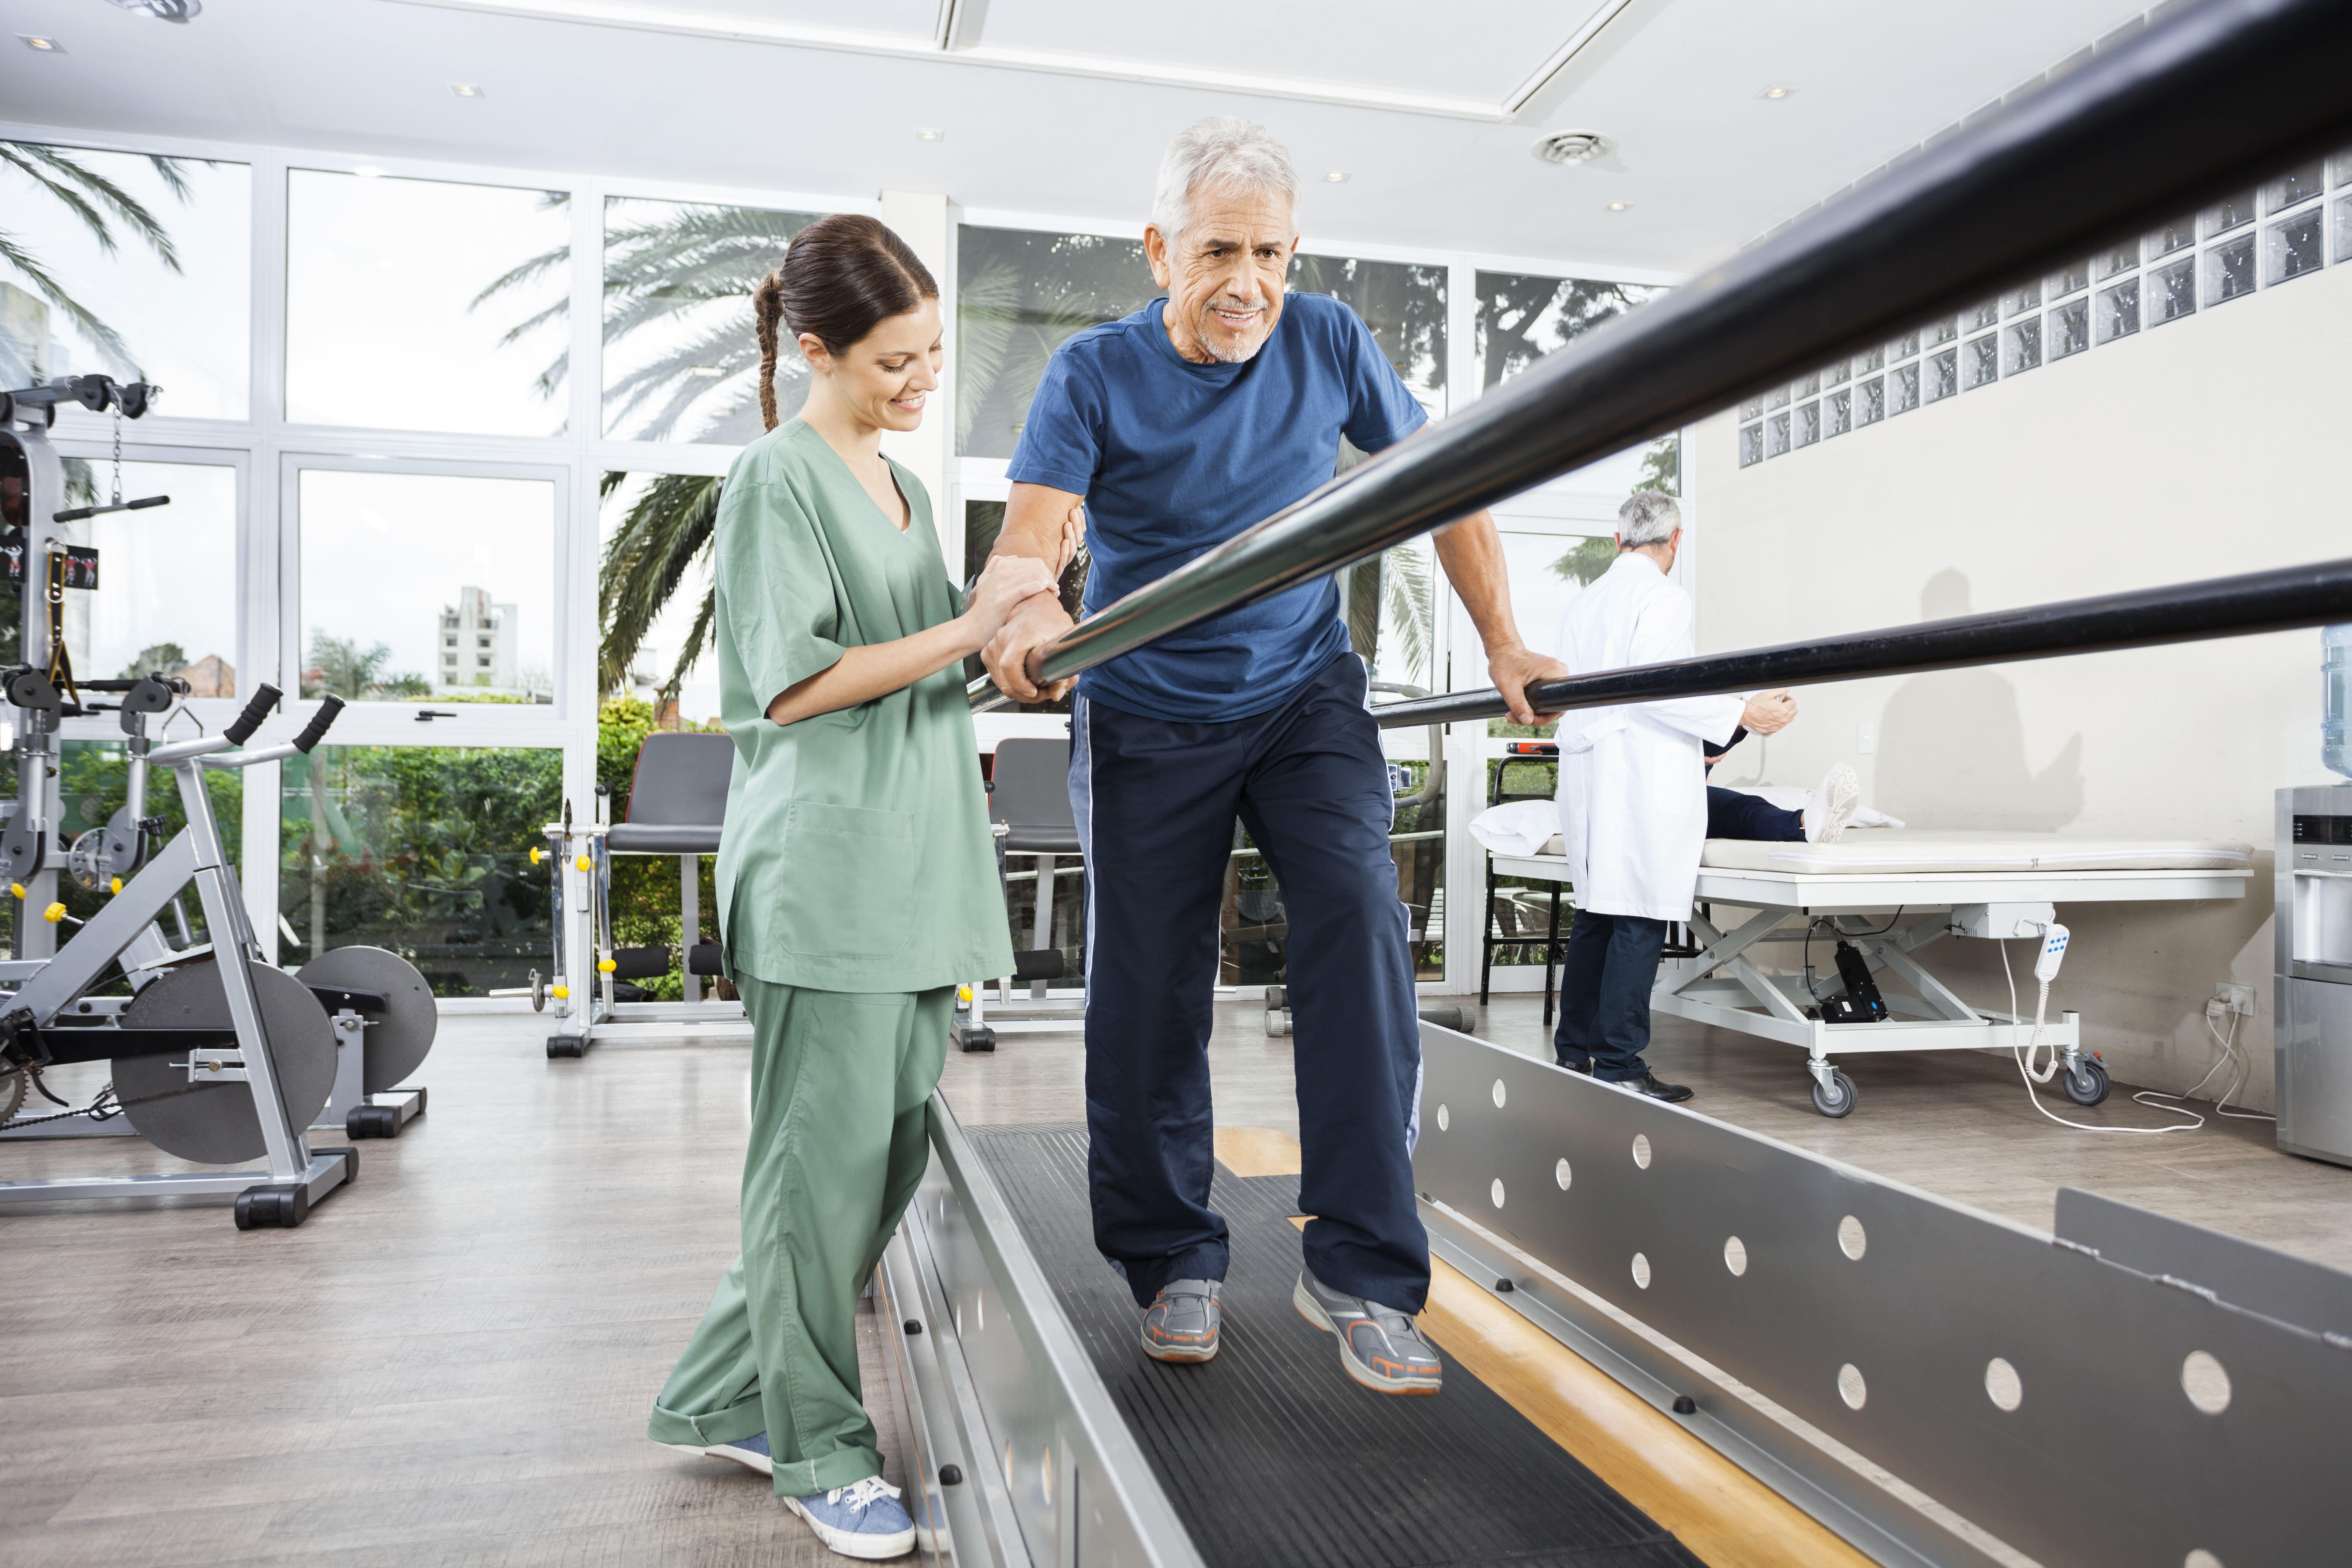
point(1584, 1067)
point(1656, 1087)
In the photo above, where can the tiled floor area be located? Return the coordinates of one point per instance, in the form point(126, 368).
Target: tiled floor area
point(451, 1362)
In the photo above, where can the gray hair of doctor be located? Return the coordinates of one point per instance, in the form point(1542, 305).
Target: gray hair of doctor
point(1648, 517)
point(1220, 153)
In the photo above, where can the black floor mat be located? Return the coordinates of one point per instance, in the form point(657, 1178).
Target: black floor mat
point(1271, 1457)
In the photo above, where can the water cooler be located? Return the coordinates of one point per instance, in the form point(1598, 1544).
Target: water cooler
point(2313, 983)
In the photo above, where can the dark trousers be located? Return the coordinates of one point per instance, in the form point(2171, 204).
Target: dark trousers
point(1731, 815)
point(1155, 802)
point(1606, 975)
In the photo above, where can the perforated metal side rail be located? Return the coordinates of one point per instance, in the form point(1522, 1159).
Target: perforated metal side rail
point(2085, 1412)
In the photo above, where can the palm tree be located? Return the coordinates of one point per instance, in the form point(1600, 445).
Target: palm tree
point(666, 531)
point(101, 206)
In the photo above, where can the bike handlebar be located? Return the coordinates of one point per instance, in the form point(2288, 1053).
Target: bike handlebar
point(250, 719)
point(320, 722)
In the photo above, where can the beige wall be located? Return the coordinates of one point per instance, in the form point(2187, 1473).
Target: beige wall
point(2198, 448)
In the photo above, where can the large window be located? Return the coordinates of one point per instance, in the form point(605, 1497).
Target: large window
point(426, 587)
point(167, 602)
point(1524, 316)
point(137, 267)
point(1020, 295)
point(424, 305)
point(1405, 304)
point(681, 363)
point(654, 538)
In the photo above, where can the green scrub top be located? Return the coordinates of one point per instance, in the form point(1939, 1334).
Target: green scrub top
point(856, 855)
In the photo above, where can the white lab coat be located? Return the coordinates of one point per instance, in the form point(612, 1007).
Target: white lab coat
point(1633, 781)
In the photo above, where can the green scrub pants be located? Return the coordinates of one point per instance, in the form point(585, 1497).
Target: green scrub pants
point(839, 1081)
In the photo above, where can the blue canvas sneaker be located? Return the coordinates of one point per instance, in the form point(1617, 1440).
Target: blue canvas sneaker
point(751, 1451)
point(864, 1519)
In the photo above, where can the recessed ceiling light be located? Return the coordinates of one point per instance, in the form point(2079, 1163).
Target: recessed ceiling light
point(47, 45)
point(368, 172)
point(927, 133)
point(1573, 146)
point(1336, 178)
point(1617, 206)
point(1777, 93)
point(467, 89)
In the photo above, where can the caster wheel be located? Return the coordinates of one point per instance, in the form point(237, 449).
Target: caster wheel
point(1279, 1024)
point(983, 1040)
point(563, 1045)
point(1277, 997)
point(538, 993)
point(2086, 1084)
point(1837, 1100)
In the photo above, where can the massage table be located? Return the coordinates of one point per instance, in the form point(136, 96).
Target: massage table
point(1891, 894)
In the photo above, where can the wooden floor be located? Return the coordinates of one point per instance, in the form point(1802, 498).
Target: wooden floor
point(451, 1362)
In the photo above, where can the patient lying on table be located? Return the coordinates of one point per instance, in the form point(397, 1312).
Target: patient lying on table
point(1816, 816)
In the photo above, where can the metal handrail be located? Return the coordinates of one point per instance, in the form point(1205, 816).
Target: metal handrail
point(2187, 112)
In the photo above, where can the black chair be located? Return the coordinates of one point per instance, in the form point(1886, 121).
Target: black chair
point(1507, 917)
point(678, 805)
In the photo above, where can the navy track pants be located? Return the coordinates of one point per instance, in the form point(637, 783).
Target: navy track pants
point(1731, 815)
point(1155, 802)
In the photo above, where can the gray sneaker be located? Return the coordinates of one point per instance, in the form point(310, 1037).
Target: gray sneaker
point(1377, 1345)
point(1180, 1324)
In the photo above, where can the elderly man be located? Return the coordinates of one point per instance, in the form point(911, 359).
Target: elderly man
point(1178, 426)
point(1633, 797)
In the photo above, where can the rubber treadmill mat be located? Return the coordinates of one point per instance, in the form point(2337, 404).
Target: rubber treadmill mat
point(1270, 1455)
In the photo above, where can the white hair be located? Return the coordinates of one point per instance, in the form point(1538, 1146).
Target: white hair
point(1648, 517)
point(1220, 153)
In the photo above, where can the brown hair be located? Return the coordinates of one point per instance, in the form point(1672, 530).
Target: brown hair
point(841, 275)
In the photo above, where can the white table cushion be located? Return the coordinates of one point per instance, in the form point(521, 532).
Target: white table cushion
point(1904, 850)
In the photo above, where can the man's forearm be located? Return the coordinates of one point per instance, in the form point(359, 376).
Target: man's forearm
point(1471, 551)
point(1034, 516)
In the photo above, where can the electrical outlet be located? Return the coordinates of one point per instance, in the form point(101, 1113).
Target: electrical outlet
point(2238, 999)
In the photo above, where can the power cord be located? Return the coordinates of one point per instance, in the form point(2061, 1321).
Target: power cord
point(2026, 1072)
point(2245, 1069)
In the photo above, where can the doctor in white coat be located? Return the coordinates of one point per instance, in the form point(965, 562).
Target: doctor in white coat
point(1633, 797)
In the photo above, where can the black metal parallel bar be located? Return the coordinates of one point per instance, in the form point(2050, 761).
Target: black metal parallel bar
point(2210, 99)
point(2282, 600)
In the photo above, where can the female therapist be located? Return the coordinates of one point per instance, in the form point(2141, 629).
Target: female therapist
point(857, 878)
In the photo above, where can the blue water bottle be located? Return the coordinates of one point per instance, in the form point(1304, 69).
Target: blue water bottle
point(2335, 699)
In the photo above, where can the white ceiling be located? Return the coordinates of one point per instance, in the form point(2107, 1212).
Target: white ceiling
point(1061, 106)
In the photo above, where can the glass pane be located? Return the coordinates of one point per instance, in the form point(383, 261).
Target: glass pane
point(2344, 228)
point(2230, 270)
point(1943, 375)
point(2177, 234)
point(1807, 386)
point(2171, 290)
point(1942, 331)
point(427, 587)
point(2299, 184)
point(1841, 412)
point(680, 361)
point(167, 577)
point(2293, 248)
point(1403, 304)
point(2122, 259)
point(2026, 297)
point(1874, 360)
point(2229, 214)
point(1809, 424)
point(1874, 401)
point(1835, 374)
point(2024, 345)
point(2119, 310)
point(421, 305)
point(93, 782)
point(1776, 436)
point(2341, 166)
point(1987, 314)
point(2070, 329)
point(1902, 386)
point(1980, 361)
point(1752, 409)
point(1903, 347)
point(1751, 446)
point(425, 850)
point(1522, 317)
point(640, 518)
point(1777, 398)
point(1020, 294)
point(2068, 279)
point(139, 267)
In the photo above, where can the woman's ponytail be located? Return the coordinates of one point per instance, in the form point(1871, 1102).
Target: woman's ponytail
point(767, 308)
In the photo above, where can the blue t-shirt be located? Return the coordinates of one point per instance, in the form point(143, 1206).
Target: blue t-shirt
point(1175, 459)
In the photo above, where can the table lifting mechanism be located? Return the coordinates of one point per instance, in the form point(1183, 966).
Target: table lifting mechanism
point(332, 1040)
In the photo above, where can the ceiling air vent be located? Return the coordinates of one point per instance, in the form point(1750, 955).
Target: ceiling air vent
point(1573, 146)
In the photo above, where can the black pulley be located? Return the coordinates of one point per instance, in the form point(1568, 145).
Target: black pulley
point(214, 1123)
point(399, 1037)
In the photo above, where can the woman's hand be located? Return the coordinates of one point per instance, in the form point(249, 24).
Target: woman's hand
point(1004, 583)
point(1074, 538)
